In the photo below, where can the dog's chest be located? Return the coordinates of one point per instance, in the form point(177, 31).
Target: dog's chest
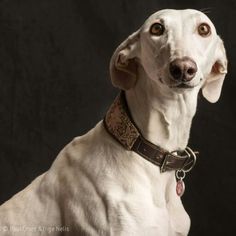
point(129, 196)
point(145, 211)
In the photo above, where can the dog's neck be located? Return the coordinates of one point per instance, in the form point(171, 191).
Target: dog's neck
point(163, 116)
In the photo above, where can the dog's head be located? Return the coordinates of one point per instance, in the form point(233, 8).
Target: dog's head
point(178, 49)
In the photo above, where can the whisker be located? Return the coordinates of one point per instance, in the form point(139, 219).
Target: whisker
point(206, 10)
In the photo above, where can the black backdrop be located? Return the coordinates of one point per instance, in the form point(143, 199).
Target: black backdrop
point(54, 85)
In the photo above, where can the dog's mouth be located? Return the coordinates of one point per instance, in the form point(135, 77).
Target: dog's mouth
point(183, 86)
point(179, 85)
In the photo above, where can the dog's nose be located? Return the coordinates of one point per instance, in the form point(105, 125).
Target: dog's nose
point(183, 69)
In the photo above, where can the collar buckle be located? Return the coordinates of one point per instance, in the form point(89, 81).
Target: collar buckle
point(165, 162)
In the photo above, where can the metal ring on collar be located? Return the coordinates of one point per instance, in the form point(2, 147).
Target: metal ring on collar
point(180, 174)
point(192, 156)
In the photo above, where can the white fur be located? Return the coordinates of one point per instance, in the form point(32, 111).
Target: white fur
point(95, 186)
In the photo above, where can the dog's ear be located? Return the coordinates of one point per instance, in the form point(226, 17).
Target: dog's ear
point(211, 90)
point(123, 64)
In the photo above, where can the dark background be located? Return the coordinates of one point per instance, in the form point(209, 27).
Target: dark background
point(54, 85)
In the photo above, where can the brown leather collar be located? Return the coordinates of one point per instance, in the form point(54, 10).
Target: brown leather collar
point(119, 123)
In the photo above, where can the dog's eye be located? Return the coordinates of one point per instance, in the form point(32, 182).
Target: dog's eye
point(157, 29)
point(204, 30)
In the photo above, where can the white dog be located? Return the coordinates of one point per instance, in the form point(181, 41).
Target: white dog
point(96, 186)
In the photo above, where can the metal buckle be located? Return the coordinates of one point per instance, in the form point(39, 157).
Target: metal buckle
point(191, 160)
point(165, 161)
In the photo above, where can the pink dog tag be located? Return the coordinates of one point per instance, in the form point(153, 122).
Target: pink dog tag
point(180, 187)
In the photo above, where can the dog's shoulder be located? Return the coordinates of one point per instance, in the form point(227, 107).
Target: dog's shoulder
point(90, 147)
point(88, 155)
